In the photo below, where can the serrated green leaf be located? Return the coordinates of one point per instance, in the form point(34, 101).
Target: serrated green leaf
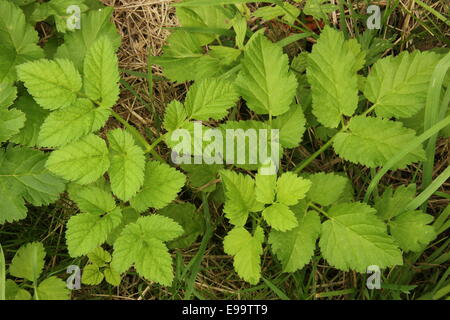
point(265, 188)
point(210, 98)
point(91, 275)
point(35, 116)
point(99, 257)
point(246, 251)
point(331, 71)
point(92, 199)
point(86, 231)
point(8, 93)
point(240, 194)
point(53, 288)
point(129, 215)
point(14, 292)
point(354, 238)
point(291, 188)
point(101, 74)
point(95, 24)
point(175, 115)
point(263, 68)
point(391, 203)
point(161, 186)
point(398, 85)
point(291, 126)
point(112, 276)
point(69, 124)
point(23, 176)
point(52, 83)
point(11, 121)
point(19, 41)
point(127, 164)
point(373, 141)
point(279, 217)
point(140, 244)
point(28, 261)
point(411, 230)
point(83, 161)
point(294, 248)
point(327, 188)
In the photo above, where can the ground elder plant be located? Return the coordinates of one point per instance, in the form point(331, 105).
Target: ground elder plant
point(245, 94)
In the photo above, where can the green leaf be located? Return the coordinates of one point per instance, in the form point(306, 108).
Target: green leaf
point(246, 251)
point(14, 292)
point(112, 276)
point(331, 71)
point(129, 215)
point(265, 188)
point(210, 98)
point(94, 25)
point(99, 257)
point(91, 275)
point(52, 83)
point(23, 176)
point(319, 9)
point(86, 231)
point(141, 244)
point(83, 161)
point(19, 41)
point(8, 93)
point(101, 74)
point(291, 126)
point(398, 85)
point(392, 204)
point(127, 164)
point(291, 188)
point(263, 68)
point(240, 195)
point(270, 13)
point(35, 116)
point(28, 261)
point(191, 222)
point(294, 248)
point(373, 141)
point(175, 116)
point(328, 188)
point(279, 217)
point(354, 238)
point(69, 124)
point(92, 199)
point(411, 230)
point(11, 121)
point(161, 186)
point(53, 288)
point(201, 175)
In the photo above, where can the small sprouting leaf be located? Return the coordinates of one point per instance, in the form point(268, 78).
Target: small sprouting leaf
point(101, 73)
point(291, 188)
point(246, 251)
point(28, 261)
point(355, 238)
point(373, 141)
point(265, 188)
point(142, 244)
point(263, 69)
point(52, 83)
point(83, 161)
point(161, 186)
point(280, 217)
point(127, 164)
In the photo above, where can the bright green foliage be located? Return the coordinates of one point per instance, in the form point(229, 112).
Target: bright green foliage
point(94, 25)
point(142, 244)
point(161, 185)
point(90, 229)
point(201, 175)
point(269, 13)
point(11, 121)
point(83, 161)
point(14, 292)
point(373, 141)
point(263, 68)
point(99, 268)
point(391, 203)
point(291, 188)
point(246, 251)
point(175, 116)
point(28, 262)
point(18, 41)
point(319, 9)
point(294, 248)
point(265, 188)
point(332, 67)
point(354, 238)
point(23, 177)
point(280, 217)
point(291, 125)
point(398, 85)
point(240, 194)
point(35, 116)
point(210, 98)
point(8, 93)
point(66, 125)
point(127, 164)
point(186, 216)
point(52, 288)
point(52, 83)
point(129, 215)
point(101, 74)
point(329, 188)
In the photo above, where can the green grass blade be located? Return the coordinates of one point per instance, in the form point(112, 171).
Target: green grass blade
point(293, 38)
point(2, 274)
point(276, 290)
point(434, 12)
